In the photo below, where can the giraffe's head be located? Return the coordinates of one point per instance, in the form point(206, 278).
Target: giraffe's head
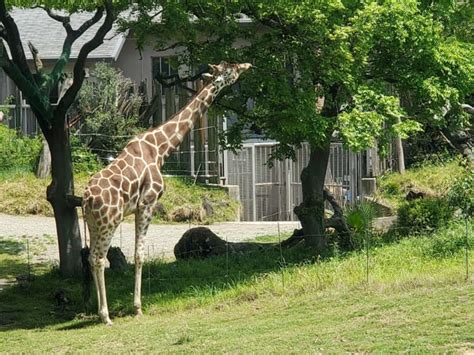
point(225, 74)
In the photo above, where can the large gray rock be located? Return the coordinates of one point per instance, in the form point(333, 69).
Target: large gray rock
point(202, 243)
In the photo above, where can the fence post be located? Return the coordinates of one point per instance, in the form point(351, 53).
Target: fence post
point(28, 257)
point(254, 189)
point(367, 248)
point(149, 272)
point(282, 260)
point(467, 248)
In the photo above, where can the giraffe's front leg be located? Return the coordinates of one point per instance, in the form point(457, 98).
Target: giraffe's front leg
point(142, 221)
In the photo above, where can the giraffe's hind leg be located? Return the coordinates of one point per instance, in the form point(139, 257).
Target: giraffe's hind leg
point(142, 221)
point(97, 259)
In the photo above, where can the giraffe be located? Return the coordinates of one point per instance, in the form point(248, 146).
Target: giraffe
point(133, 183)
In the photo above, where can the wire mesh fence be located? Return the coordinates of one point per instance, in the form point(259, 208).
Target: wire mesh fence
point(368, 260)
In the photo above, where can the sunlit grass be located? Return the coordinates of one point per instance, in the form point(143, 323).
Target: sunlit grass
point(433, 178)
point(416, 299)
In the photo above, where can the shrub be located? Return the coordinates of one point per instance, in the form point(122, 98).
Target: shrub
point(108, 111)
point(449, 240)
point(83, 159)
point(18, 152)
point(424, 215)
point(391, 188)
point(461, 193)
point(360, 218)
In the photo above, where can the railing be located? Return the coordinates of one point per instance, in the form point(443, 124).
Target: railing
point(22, 118)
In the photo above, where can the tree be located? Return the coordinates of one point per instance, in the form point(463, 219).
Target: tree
point(324, 68)
point(37, 87)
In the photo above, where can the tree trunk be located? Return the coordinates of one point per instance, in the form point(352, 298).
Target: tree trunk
point(65, 213)
point(44, 163)
point(311, 211)
point(400, 153)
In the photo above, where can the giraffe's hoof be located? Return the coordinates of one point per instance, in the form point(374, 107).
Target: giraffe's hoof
point(138, 312)
point(108, 323)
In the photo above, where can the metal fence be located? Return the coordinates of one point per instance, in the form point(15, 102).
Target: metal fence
point(372, 267)
point(21, 118)
point(272, 193)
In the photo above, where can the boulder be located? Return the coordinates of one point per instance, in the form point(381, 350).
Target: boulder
point(202, 243)
point(117, 259)
point(187, 213)
point(199, 243)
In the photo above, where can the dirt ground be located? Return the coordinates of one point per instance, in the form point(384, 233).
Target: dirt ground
point(161, 239)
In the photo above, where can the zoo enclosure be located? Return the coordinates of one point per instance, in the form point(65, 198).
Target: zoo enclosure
point(265, 193)
point(271, 193)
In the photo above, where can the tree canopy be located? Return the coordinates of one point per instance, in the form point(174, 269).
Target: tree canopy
point(360, 58)
point(363, 71)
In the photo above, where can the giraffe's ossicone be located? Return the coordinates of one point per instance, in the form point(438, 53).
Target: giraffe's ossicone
point(132, 183)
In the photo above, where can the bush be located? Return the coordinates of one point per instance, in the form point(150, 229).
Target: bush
point(108, 111)
point(18, 152)
point(424, 215)
point(83, 159)
point(450, 240)
point(360, 218)
point(461, 193)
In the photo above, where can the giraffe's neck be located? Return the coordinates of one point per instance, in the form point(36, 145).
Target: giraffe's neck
point(182, 123)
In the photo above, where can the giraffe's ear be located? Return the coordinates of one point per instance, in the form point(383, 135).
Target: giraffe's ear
point(213, 67)
point(207, 75)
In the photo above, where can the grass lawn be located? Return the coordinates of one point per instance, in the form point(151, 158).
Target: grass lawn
point(433, 178)
point(417, 299)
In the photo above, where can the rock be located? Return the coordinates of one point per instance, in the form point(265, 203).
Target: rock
point(186, 213)
point(199, 243)
point(117, 259)
point(202, 243)
point(414, 195)
point(382, 208)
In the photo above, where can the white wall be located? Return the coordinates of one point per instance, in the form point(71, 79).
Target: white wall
point(139, 67)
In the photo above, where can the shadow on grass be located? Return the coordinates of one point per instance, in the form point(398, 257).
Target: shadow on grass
point(164, 285)
point(11, 247)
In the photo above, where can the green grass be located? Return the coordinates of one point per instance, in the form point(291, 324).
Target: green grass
point(21, 193)
point(433, 178)
point(417, 299)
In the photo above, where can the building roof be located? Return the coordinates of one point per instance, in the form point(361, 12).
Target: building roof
point(48, 35)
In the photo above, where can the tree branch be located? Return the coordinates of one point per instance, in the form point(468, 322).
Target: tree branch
point(163, 79)
point(53, 15)
point(71, 37)
point(468, 108)
point(40, 107)
point(88, 47)
point(12, 36)
point(91, 22)
point(37, 60)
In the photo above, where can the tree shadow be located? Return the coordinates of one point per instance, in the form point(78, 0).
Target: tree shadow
point(11, 246)
point(34, 304)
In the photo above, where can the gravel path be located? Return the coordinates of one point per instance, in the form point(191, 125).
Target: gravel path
point(161, 239)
